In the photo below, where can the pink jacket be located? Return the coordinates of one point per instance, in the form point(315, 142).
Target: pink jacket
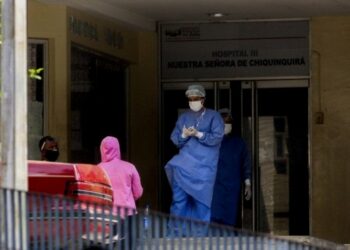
point(125, 179)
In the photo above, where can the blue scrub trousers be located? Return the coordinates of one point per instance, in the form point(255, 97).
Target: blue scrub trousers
point(184, 205)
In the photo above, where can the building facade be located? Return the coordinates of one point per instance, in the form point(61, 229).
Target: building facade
point(105, 78)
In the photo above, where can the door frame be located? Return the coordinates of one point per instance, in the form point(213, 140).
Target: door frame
point(254, 85)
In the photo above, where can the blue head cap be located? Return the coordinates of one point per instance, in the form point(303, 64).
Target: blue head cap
point(225, 112)
point(195, 90)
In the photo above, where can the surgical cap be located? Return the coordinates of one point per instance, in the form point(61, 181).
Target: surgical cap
point(195, 90)
point(225, 112)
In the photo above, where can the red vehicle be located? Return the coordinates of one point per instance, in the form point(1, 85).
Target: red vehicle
point(91, 198)
point(84, 182)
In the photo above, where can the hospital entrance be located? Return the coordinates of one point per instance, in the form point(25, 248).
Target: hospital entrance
point(272, 117)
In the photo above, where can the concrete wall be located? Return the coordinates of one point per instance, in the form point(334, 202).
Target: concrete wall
point(143, 117)
point(110, 38)
point(49, 22)
point(330, 144)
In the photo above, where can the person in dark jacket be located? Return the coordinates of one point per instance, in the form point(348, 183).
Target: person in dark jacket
point(234, 168)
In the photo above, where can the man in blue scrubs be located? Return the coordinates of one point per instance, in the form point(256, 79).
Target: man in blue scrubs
point(234, 167)
point(191, 173)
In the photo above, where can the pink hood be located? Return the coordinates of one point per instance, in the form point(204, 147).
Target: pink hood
point(110, 149)
point(124, 177)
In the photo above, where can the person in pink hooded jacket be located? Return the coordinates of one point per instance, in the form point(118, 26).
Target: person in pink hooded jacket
point(125, 179)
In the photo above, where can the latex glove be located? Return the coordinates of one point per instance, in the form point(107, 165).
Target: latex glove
point(195, 132)
point(199, 134)
point(247, 189)
point(192, 131)
point(186, 132)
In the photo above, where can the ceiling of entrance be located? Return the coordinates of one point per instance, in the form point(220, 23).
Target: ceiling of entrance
point(145, 13)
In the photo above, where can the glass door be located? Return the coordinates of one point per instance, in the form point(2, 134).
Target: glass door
point(272, 117)
point(275, 123)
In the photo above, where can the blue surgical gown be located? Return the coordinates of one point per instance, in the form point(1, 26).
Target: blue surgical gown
point(233, 167)
point(194, 167)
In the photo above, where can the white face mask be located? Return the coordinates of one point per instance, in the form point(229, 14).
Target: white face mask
point(195, 105)
point(228, 128)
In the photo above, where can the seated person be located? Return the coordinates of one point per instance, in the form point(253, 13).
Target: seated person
point(48, 148)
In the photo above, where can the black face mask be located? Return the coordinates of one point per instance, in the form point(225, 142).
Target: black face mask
point(51, 155)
